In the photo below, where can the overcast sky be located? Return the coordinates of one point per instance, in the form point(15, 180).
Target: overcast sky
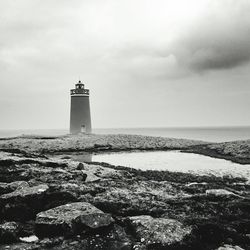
point(147, 63)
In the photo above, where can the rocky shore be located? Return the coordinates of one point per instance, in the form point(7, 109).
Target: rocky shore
point(51, 203)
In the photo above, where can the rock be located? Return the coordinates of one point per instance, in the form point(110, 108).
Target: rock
point(162, 231)
point(196, 184)
point(123, 202)
point(25, 193)
point(71, 219)
point(58, 195)
point(14, 172)
point(10, 187)
point(111, 238)
point(50, 243)
point(230, 247)
point(48, 175)
point(80, 166)
point(24, 203)
point(29, 239)
point(20, 246)
point(92, 178)
point(96, 173)
point(135, 197)
point(219, 193)
point(9, 232)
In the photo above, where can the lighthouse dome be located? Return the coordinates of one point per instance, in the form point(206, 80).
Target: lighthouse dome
point(79, 85)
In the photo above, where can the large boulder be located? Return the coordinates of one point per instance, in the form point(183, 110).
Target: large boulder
point(71, 219)
point(136, 197)
point(150, 231)
point(112, 238)
point(23, 203)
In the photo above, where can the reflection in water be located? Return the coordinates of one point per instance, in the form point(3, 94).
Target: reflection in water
point(83, 157)
point(170, 160)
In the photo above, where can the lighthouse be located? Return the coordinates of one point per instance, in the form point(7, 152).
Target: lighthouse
point(80, 121)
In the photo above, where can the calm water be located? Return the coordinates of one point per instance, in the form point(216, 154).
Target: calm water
point(211, 134)
point(170, 160)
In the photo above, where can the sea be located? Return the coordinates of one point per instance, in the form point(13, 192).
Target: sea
point(210, 134)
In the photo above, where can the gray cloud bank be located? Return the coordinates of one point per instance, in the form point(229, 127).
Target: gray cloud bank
point(111, 36)
point(221, 40)
point(217, 39)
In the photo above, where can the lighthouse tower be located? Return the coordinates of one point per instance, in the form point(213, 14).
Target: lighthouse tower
point(80, 121)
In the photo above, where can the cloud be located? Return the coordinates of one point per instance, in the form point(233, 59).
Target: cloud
point(141, 39)
point(220, 40)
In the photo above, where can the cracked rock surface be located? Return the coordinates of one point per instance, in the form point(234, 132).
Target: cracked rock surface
point(71, 218)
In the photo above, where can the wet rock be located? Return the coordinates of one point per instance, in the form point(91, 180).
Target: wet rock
point(48, 175)
point(71, 219)
point(51, 242)
point(51, 164)
point(136, 198)
point(25, 193)
point(27, 228)
point(91, 177)
point(58, 195)
point(29, 239)
point(230, 247)
point(150, 231)
point(219, 193)
point(80, 166)
point(20, 246)
point(10, 187)
point(14, 173)
point(96, 173)
point(23, 203)
point(9, 232)
point(125, 202)
point(112, 238)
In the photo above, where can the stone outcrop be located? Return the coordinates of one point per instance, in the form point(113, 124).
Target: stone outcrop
point(56, 203)
point(23, 203)
point(11, 187)
point(93, 142)
point(71, 219)
point(153, 231)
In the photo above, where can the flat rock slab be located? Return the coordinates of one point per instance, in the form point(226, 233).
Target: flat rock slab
point(23, 203)
point(25, 192)
point(162, 231)
point(10, 187)
point(71, 219)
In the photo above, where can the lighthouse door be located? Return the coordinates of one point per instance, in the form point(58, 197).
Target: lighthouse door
point(83, 129)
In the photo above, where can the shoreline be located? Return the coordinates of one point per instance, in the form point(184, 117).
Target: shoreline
point(235, 151)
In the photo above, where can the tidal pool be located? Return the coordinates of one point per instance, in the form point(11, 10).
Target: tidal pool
point(170, 160)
